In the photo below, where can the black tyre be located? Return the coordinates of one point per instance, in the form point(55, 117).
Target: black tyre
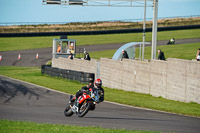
point(68, 111)
point(92, 107)
point(84, 108)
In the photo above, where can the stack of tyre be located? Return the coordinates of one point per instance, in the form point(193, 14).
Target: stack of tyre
point(82, 77)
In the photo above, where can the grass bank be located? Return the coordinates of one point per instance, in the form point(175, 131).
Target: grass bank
point(20, 43)
point(180, 51)
point(31, 127)
point(33, 75)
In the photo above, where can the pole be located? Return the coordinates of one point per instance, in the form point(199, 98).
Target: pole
point(154, 29)
point(144, 26)
point(54, 49)
point(140, 52)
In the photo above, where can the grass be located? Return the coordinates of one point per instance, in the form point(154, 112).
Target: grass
point(20, 43)
point(181, 51)
point(34, 75)
point(102, 54)
point(31, 127)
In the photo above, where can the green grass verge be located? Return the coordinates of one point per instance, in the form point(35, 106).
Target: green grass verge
point(180, 51)
point(32, 127)
point(102, 54)
point(19, 43)
point(33, 75)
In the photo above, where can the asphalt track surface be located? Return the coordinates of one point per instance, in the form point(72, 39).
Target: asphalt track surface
point(27, 102)
point(28, 57)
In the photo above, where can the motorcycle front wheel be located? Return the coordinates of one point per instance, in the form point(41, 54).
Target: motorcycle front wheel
point(68, 111)
point(84, 108)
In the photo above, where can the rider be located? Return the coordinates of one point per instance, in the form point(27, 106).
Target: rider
point(83, 89)
point(97, 85)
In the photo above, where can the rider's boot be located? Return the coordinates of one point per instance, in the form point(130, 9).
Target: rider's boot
point(72, 99)
point(76, 102)
point(75, 107)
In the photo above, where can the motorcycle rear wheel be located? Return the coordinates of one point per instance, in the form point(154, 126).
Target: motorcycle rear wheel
point(84, 108)
point(68, 111)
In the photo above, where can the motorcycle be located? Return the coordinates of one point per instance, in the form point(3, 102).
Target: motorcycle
point(83, 104)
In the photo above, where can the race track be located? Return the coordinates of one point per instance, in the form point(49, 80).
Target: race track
point(28, 102)
point(28, 57)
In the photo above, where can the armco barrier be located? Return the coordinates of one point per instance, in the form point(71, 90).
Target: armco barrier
point(82, 77)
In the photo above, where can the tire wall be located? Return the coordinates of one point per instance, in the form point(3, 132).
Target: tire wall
point(89, 68)
point(82, 77)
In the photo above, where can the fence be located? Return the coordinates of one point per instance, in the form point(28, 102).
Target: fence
point(173, 79)
point(82, 77)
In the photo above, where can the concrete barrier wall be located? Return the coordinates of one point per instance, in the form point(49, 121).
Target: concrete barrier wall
point(76, 64)
point(173, 79)
point(128, 75)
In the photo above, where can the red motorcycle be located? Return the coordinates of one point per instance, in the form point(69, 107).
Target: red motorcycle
point(83, 104)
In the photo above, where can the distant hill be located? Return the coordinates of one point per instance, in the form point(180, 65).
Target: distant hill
point(96, 26)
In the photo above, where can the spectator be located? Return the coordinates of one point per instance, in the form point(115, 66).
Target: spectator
point(71, 47)
point(161, 55)
point(59, 48)
point(86, 56)
point(70, 55)
point(198, 55)
point(124, 54)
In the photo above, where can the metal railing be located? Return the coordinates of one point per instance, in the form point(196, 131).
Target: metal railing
point(116, 3)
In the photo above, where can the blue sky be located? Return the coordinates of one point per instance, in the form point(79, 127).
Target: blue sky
point(34, 11)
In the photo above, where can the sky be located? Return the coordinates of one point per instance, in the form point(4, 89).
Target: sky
point(35, 11)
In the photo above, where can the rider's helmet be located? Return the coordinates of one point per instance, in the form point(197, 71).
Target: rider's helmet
point(98, 83)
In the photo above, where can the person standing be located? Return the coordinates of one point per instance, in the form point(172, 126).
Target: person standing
point(70, 55)
point(59, 48)
point(198, 54)
point(161, 55)
point(86, 56)
point(124, 54)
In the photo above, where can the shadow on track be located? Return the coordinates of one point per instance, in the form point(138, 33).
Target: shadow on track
point(9, 90)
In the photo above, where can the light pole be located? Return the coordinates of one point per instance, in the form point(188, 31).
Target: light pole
point(144, 26)
point(154, 29)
